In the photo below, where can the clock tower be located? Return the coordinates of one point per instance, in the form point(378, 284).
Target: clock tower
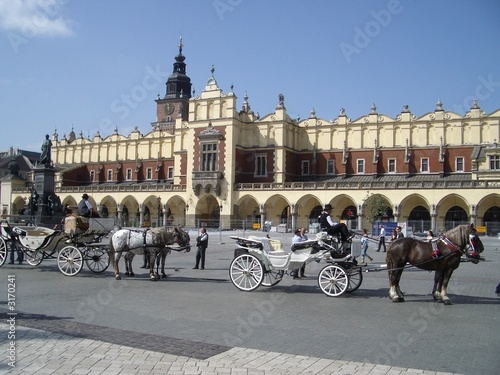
point(175, 104)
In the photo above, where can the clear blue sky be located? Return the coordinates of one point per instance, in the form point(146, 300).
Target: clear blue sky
point(96, 65)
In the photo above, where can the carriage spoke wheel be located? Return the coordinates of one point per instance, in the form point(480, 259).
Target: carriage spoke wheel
point(33, 257)
point(272, 278)
point(97, 259)
point(246, 272)
point(3, 252)
point(70, 261)
point(355, 278)
point(333, 280)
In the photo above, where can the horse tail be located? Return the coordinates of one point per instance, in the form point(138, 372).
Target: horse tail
point(111, 251)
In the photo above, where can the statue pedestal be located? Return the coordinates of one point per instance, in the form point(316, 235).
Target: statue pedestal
point(44, 184)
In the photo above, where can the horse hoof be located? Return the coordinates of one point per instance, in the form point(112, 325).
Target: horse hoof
point(127, 274)
point(398, 299)
point(163, 276)
point(447, 302)
point(132, 274)
point(118, 277)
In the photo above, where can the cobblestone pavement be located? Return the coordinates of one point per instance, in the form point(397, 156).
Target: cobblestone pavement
point(45, 351)
point(48, 344)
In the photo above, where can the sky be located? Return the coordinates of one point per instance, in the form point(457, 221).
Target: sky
point(92, 65)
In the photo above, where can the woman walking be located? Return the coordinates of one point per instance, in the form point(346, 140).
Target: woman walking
point(364, 248)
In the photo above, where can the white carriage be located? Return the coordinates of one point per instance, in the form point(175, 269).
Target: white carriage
point(263, 261)
point(72, 247)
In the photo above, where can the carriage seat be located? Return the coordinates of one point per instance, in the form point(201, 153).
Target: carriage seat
point(5, 230)
point(306, 244)
point(74, 224)
point(272, 247)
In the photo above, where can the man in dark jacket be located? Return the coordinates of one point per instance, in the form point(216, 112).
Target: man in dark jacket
point(201, 244)
point(332, 228)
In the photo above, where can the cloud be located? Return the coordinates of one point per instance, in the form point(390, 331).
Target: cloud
point(34, 17)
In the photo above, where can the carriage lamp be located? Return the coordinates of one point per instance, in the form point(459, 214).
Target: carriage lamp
point(220, 207)
point(187, 206)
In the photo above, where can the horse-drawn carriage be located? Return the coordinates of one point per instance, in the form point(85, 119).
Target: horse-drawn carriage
point(262, 261)
point(71, 247)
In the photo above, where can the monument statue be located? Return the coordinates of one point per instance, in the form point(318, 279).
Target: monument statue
point(46, 151)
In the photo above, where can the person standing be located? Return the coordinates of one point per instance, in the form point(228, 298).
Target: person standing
point(381, 239)
point(394, 233)
point(399, 233)
point(364, 247)
point(430, 235)
point(299, 236)
point(201, 244)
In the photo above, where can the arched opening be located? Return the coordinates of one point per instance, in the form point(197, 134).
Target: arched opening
point(491, 220)
point(454, 217)
point(419, 219)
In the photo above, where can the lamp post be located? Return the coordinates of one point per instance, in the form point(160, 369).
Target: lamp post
point(220, 226)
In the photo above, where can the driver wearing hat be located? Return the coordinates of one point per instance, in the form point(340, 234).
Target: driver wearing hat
point(331, 227)
point(85, 208)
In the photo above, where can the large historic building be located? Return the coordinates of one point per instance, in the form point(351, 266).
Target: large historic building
point(208, 162)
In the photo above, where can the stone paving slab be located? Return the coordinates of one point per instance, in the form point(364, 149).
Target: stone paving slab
point(39, 351)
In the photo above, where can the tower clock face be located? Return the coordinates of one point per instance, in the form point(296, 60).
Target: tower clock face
point(168, 108)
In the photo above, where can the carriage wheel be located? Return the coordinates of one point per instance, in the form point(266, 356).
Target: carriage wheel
point(333, 280)
point(246, 272)
point(355, 278)
point(97, 259)
point(70, 261)
point(272, 278)
point(33, 257)
point(3, 252)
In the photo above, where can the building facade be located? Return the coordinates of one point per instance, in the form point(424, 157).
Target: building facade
point(207, 162)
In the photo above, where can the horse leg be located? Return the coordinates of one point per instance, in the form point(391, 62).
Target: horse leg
point(163, 257)
point(152, 261)
point(438, 282)
point(129, 257)
point(115, 266)
point(444, 286)
point(394, 277)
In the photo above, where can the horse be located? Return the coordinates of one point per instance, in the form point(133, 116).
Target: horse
point(441, 255)
point(160, 260)
point(156, 241)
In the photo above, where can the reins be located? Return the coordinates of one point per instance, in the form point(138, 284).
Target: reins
point(454, 247)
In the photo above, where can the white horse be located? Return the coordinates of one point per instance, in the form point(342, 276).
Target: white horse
point(156, 241)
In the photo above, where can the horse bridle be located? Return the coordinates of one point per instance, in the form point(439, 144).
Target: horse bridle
point(457, 248)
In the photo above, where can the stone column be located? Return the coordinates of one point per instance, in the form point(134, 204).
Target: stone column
point(433, 218)
point(293, 212)
point(141, 215)
point(120, 211)
point(360, 217)
point(262, 213)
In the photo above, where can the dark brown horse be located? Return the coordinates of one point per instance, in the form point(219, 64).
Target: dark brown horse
point(441, 255)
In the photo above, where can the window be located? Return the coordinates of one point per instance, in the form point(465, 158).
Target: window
point(361, 165)
point(149, 174)
point(129, 174)
point(110, 174)
point(260, 165)
point(495, 162)
point(424, 165)
point(330, 166)
point(92, 176)
point(208, 157)
point(170, 174)
point(459, 167)
point(305, 167)
point(391, 167)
